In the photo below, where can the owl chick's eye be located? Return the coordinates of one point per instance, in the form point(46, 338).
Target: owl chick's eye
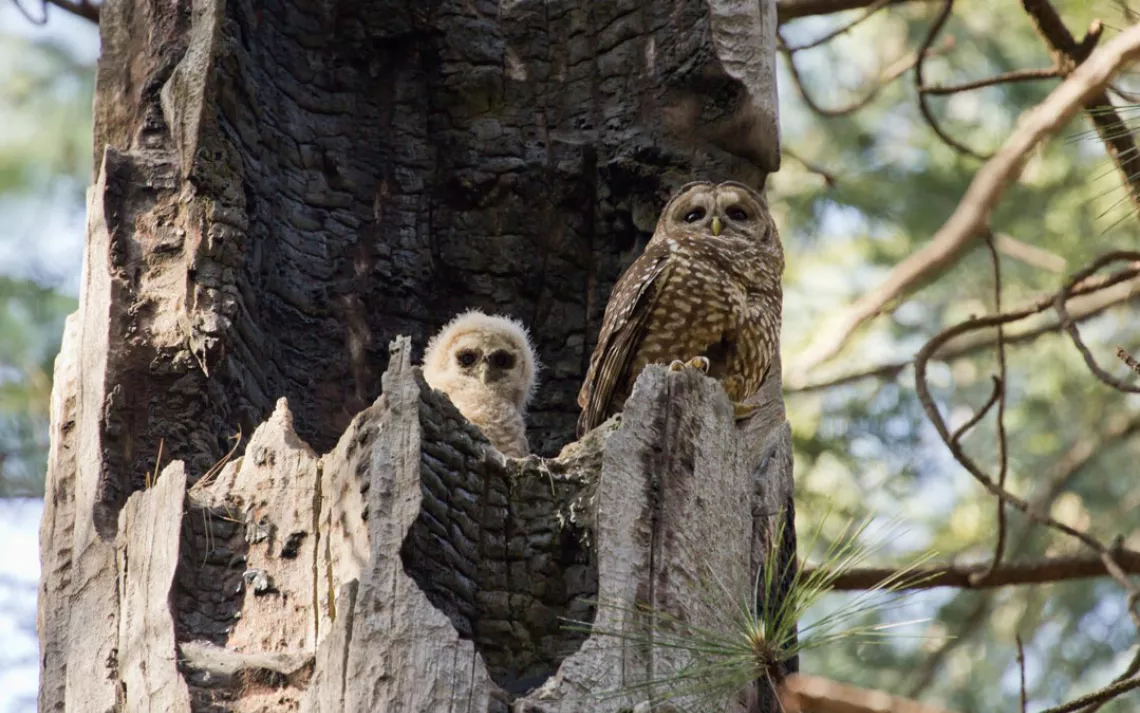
point(694, 215)
point(501, 360)
point(736, 213)
point(466, 357)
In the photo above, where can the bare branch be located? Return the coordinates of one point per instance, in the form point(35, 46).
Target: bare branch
point(1107, 693)
point(791, 9)
point(1128, 359)
point(1000, 382)
point(1070, 326)
point(1024, 698)
point(871, 10)
point(1085, 307)
point(919, 84)
point(971, 218)
point(802, 692)
point(81, 8)
point(1042, 571)
point(1017, 75)
point(41, 20)
point(1067, 54)
point(827, 176)
point(1029, 254)
point(889, 74)
point(1107, 556)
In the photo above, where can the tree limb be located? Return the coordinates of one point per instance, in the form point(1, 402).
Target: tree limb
point(971, 218)
point(1107, 693)
point(1083, 308)
point(1017, 75)
point(1067, 54)
point(1042, 571)
point(80, 8)
point(817, 694)
point(791, 9)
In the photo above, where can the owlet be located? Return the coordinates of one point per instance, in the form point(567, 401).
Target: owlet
point(487, 366)
point(705, 292)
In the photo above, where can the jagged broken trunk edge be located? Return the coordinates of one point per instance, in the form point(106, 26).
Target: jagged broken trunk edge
point(217, 239)
point(678, 491)
point(681, 493)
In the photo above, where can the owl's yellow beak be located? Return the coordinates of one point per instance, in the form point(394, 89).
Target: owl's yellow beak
point(716, 225)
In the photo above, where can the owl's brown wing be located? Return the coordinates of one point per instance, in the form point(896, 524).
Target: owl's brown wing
point(623, 326)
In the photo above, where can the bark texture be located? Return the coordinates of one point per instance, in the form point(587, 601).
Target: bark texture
point(284, 187)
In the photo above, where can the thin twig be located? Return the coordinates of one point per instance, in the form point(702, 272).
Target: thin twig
point(1068, 54)
point(1089, 307)
point(919, 84)
point(1017, 75)
point(787, 10)
point(827, 176)
point(888, 75)
point(1105, 694)
point(41, 20)
point(1128, 359)
point(868, 12)
point(1070, 325)
point(1107, 556)
point(1021, 671)
point(82, 8)
point(979, 414)
point(1000, 390)
point(971, 217)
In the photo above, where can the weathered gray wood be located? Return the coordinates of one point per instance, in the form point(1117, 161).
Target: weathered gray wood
point(76, 615)
point(404, 654)
point(675, 492)
point(147, 548)
point(282, 188)
point(682, 492)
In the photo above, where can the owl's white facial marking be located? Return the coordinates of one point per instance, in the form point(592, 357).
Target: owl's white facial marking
point(492, 360)
point(482, 356)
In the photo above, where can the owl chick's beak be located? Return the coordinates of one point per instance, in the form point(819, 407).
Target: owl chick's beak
point(716, 225)
point(485, 372)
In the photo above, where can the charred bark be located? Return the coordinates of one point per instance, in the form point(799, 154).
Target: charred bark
point(282, 189)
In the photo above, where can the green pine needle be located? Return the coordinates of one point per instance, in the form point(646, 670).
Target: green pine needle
point(759, 633)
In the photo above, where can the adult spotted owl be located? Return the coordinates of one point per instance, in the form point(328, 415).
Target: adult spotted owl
point(706, 292)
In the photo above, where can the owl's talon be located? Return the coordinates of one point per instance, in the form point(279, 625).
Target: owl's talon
point(700, 362)
point(742, 411)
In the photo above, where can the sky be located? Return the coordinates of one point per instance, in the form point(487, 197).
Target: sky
point(40, 239)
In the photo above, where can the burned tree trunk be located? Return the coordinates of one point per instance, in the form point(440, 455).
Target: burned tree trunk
point(283, 189)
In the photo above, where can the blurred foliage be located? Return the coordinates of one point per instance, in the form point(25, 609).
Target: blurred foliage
point(867, 447)
point(863, 448)
point(45, 165)
point(31, 323)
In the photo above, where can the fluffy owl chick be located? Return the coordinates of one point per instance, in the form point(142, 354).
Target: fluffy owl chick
point(706, 291)
point(487, 366)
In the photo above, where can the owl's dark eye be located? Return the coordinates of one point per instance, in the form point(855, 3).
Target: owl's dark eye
point(736, 213)
point(501, 360)
point(694, 215)
point(466, 357)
